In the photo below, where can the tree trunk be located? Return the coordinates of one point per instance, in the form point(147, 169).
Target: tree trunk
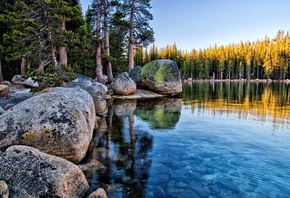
point(1, 75)
point(248, 72)
point(99, 67)
point(107, 43)
point(62, 50)
point(23, 66)
point(131, 39)
point(53, 56)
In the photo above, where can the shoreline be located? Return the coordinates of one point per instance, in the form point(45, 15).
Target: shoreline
point(235, 80)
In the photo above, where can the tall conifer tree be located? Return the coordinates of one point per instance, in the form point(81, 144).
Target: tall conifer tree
point(140, 32)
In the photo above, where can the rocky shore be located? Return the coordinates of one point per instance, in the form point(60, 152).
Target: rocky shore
point(45, 136)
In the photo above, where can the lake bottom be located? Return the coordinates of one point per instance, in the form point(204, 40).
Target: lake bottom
point(204, 155)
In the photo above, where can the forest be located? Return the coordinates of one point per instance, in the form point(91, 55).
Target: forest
point(51, 39)
point(262, 59)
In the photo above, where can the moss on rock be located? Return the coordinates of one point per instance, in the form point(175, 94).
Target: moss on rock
point(161, 76)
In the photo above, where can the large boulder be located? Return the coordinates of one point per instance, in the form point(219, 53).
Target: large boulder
point(160, 76)
point(134, 72)
point(59, 122)
point(98, 91)
point(29, 172)
point(124, 85)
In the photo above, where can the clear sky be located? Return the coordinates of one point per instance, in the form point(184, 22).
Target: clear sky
point(201, 23)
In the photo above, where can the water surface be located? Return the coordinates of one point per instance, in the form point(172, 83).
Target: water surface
point(216, 140)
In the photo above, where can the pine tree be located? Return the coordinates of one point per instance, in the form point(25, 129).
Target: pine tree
point(107, 41)
point(140, 31)
point(117, 35)
point(34, 34)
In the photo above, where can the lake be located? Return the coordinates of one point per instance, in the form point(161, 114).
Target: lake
point(216, 139)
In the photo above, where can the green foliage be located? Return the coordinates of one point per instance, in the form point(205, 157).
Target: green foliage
point(26, 27)
point(53, 76)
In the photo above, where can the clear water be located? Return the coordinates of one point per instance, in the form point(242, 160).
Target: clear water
point(201, 145)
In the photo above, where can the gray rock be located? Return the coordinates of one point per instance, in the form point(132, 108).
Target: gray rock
point(134, 72)
point(14, 98)
point(97, 91)
point(99, 193)
point(82, 84)
point(124, 85)
point(2, 110)
point(140, 94)
point(92, 165)
point(160, 76)
point(103, 89)
point(4, 90)
point(58, 121)
point(17, 79)
point(4, 191)
point(29, 82)
point(5, 82)
point(9, 106)
point(32, 173)
point(81, 77)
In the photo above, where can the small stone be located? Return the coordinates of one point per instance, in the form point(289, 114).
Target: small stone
point(4, 90)
point(99, 193)
point(2, 111)
point(8, 106)
point(4, 191)
point(92, 165)
point(30, 83)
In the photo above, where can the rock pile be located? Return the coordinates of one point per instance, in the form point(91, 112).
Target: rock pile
point(44, 136)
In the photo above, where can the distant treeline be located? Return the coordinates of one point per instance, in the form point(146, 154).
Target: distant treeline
point(263, 59)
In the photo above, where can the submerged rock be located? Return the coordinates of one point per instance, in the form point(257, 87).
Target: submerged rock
point(59, 122)
point(32, 173)
point(160, 76)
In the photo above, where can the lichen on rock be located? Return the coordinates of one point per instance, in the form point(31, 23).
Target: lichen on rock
point(161, 76)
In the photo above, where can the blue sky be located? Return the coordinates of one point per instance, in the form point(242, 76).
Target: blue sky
point(194, 24)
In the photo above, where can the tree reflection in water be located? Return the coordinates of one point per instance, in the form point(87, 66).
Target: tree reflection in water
point(125, 151)
point(261, 101)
